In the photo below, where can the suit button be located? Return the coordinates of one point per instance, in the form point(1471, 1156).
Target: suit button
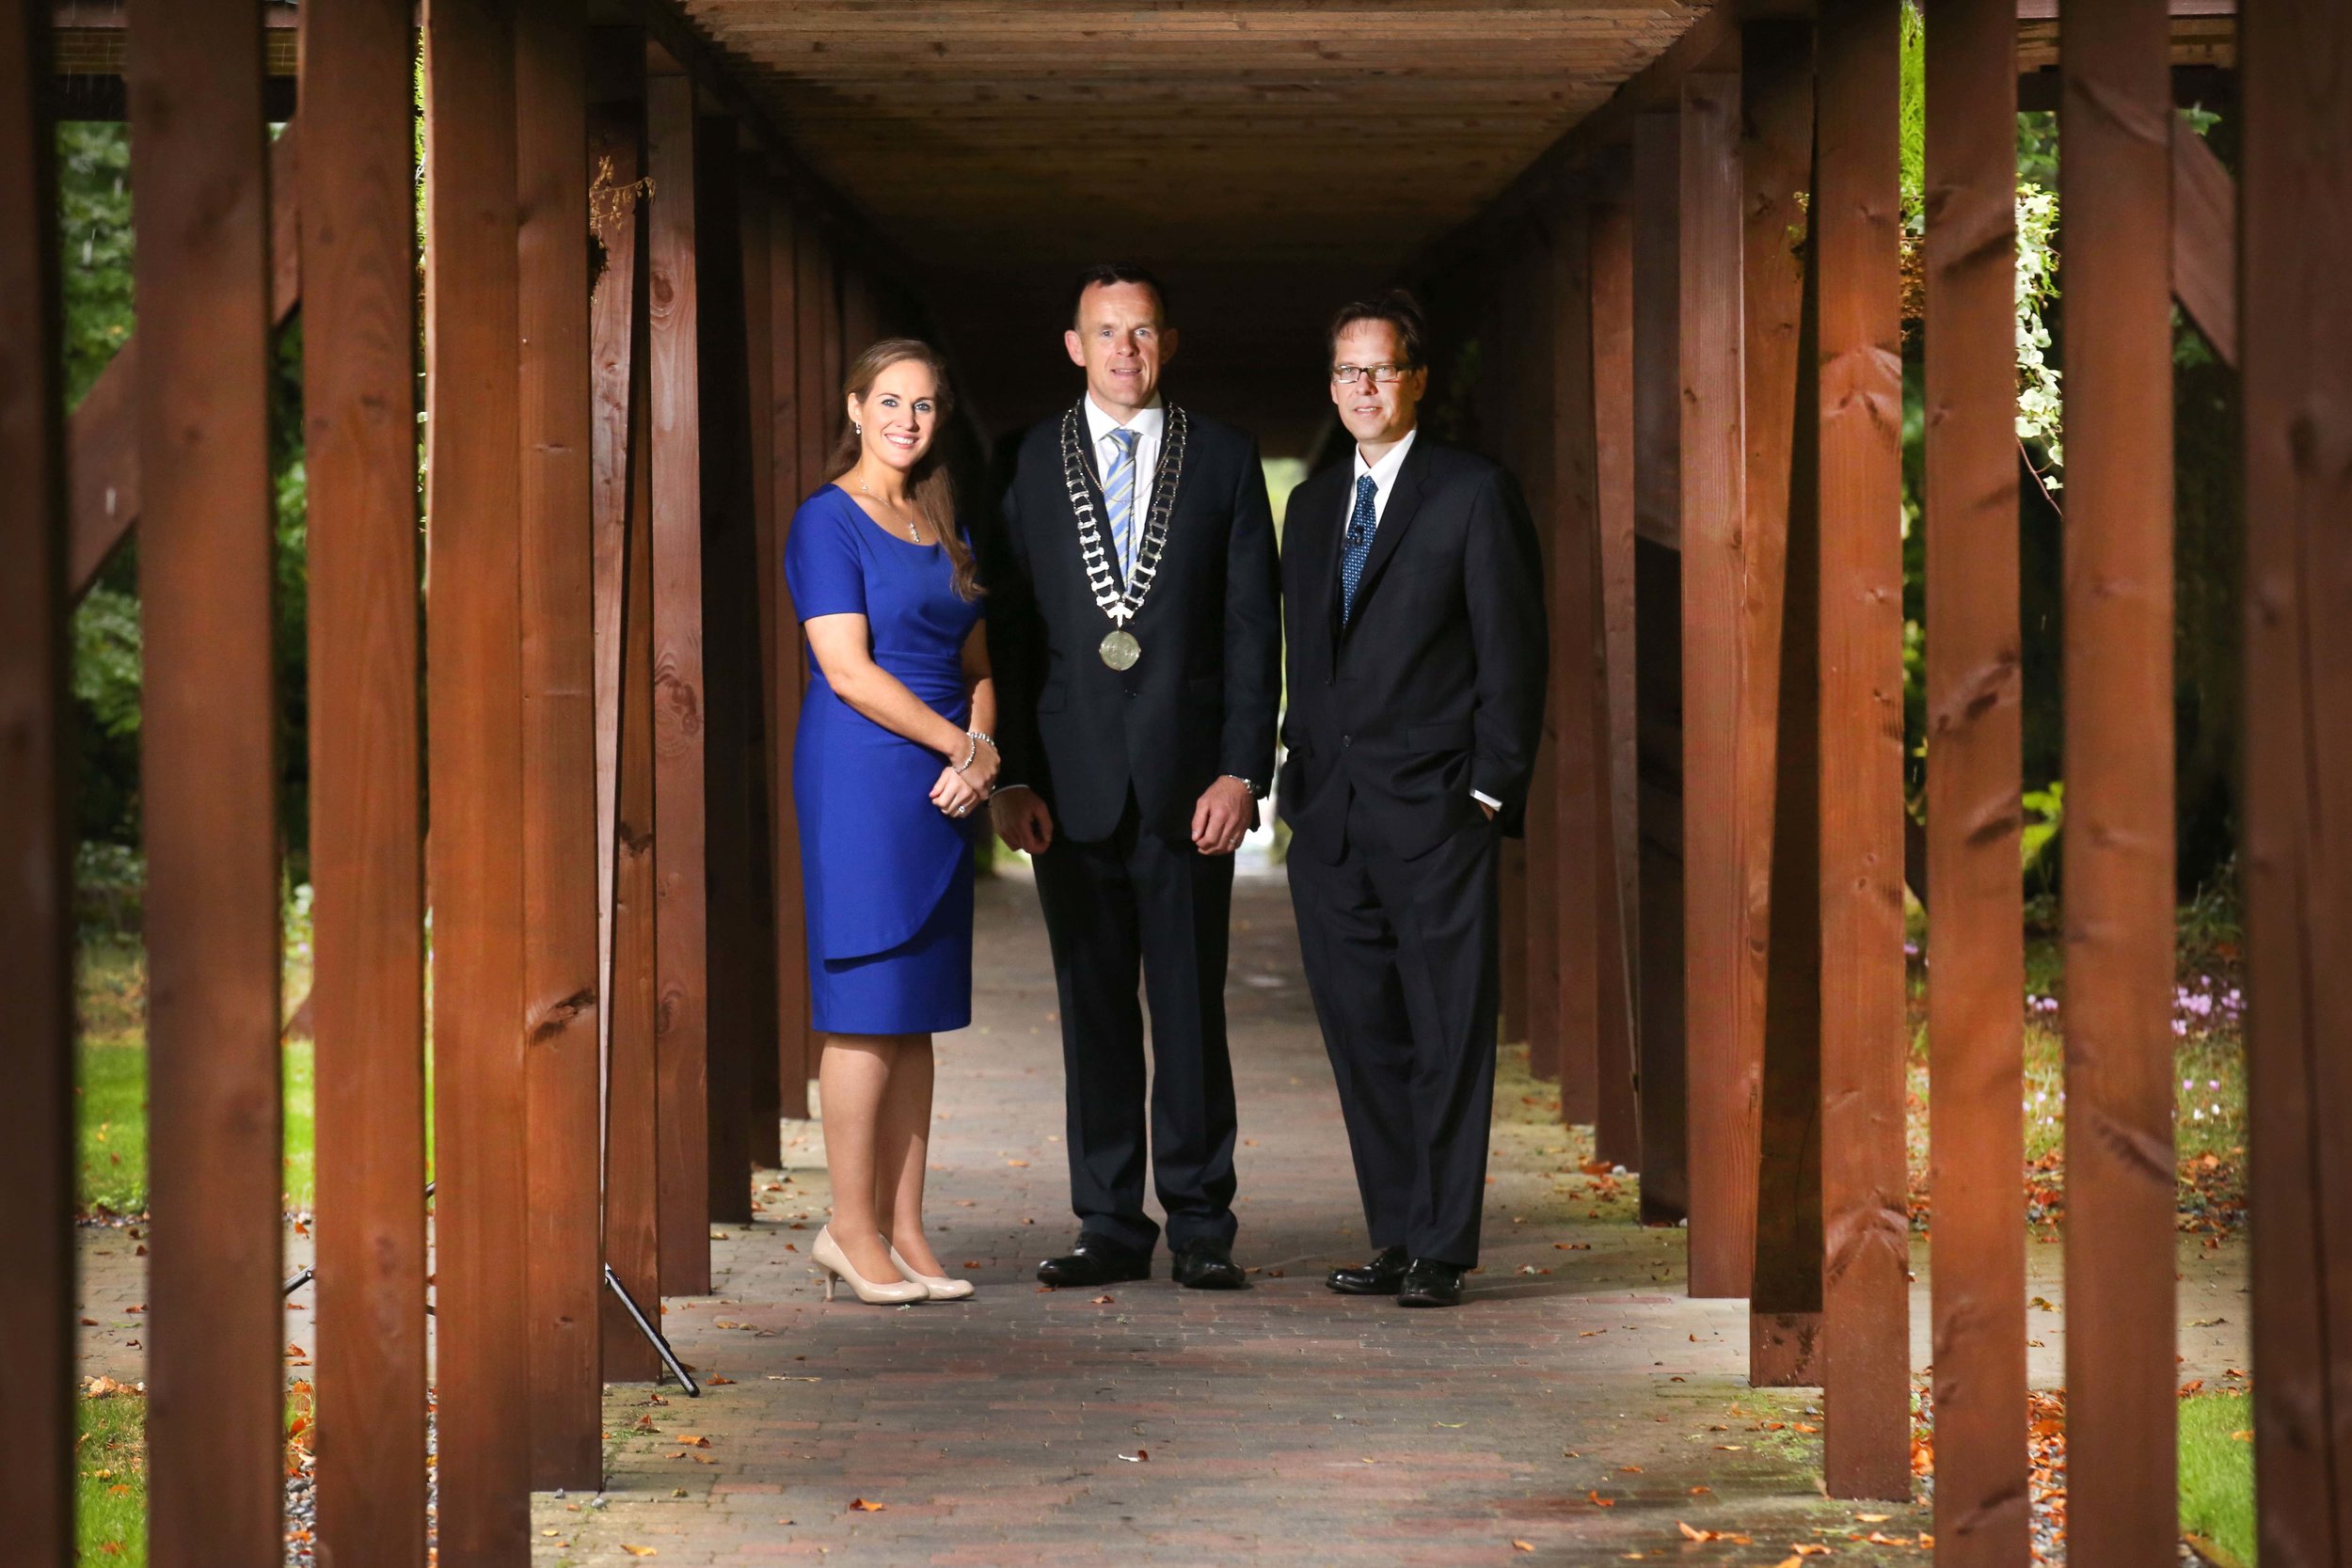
point(1346, 741)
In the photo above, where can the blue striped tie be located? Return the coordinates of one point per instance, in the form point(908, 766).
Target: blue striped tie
point(1360, 525)
point(1119, 493)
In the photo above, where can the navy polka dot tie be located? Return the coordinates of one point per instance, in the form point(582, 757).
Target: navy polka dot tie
point(1360, 525)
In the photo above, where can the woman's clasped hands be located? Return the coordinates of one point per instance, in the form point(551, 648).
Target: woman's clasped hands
point(963, 788)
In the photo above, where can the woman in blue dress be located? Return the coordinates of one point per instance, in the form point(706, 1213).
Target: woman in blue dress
point(892, 760)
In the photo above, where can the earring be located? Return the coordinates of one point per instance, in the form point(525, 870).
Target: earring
point(856, 428)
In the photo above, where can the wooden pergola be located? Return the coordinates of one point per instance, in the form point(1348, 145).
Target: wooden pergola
point(653, 229)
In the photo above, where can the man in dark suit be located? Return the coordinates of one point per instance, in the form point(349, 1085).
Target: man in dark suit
point(1417, 661)
point(1135, 625)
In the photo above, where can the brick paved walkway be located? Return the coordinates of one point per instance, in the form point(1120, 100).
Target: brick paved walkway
point(1280, 1424)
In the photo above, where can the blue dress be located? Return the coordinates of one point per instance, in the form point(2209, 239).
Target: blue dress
point(886, 876)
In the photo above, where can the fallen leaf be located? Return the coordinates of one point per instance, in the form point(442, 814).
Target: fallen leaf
point(1599, 1501)
point(1016, 1161)
point(1879, 1538)
point(1519, 1546)
point(640, 1551)
point(1106, 1301)
point(858, 1505)
point(1139, 1457)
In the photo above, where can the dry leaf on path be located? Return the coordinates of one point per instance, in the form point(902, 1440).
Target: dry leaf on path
point(858, 1505)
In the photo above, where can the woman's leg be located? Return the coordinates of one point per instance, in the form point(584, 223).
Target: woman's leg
point(853, 1079)
point(904, 1134)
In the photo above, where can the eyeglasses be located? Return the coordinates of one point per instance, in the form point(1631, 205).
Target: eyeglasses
point(1386, 376)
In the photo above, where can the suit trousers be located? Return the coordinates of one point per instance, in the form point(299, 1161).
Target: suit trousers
point(1402, 962)
point(1136, 904)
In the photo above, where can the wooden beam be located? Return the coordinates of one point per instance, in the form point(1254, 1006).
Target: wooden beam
point(1657, 317)
point(358, 202)
point(741, 989)
point(216, 1413)
point(1778, 747)
point(788, 663)
point(1529, 297)
point(2204, 240)
point(1615, 839)
point(1722, 1018)
point(474, 637)
point(1576, 867)
point(1867, 1232)
point(1975, 696)
point(679, 711)
point(756, 219)
point(2116, 115)
point(561, 996)
point(103, 434)
point(37, 1134)
point(632, 1226)
point(2298, 768)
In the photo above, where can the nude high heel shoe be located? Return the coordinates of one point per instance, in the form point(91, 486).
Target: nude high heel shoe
point(940, 1287)
point(832, 1263)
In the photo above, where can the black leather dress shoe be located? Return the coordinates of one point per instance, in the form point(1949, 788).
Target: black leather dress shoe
point(1208, 1266)
point(1379, 1278)
point(1095, 1261)
point(1430, 1283)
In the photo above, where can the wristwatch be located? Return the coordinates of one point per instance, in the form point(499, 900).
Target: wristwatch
point(1256, 790)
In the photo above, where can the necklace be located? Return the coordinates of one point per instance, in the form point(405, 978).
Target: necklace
point(1119, 649)
point(878, 501)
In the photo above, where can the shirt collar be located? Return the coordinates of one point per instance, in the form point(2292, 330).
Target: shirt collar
point(1146, 422)
point(1384, 472)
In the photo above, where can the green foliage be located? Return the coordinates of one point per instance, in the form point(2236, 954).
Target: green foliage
point(2045, 814)
point(1912, 119)
point(94, 224)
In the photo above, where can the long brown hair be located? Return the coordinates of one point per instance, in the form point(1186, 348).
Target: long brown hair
point(931, 485)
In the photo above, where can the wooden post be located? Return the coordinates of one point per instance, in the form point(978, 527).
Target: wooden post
point(632, 1217)
point(788, 663)
point(1615, 838)
point(1722, 1001)
point(755, 217)
point(1779, 741)
point(679, 711)
point(1975, 692)
point(2116, 116)
point(1577, 866)
point(2294, 326)
point(102, 433)
point(1529, 437)
point(473, 638)
point(561, 999)
point(742, 990)
point(215, 1417)
point(367, 845)
point(1657, 658)
point(1867, 1233)
point(37, 1117)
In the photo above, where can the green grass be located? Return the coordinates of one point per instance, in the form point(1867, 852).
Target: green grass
point(2218, 1474)
point(110, 1465)
point(111, 1078)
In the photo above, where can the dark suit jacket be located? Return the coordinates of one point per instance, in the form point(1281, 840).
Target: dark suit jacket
point(1435, 688)
point(1203, 697)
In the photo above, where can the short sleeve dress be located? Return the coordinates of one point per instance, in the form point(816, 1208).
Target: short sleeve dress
point(886, 876)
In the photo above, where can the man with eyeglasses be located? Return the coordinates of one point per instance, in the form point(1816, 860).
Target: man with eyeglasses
point(1414, 604)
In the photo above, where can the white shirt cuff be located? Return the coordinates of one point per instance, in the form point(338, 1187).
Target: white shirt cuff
point(1486, 800)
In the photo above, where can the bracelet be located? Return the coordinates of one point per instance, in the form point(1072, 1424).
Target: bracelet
point(972, 748)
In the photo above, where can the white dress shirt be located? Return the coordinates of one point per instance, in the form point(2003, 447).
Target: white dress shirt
point(1149, 424)
point(1383, 475)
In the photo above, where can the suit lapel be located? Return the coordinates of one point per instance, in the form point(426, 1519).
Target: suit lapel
point(1395, 517)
